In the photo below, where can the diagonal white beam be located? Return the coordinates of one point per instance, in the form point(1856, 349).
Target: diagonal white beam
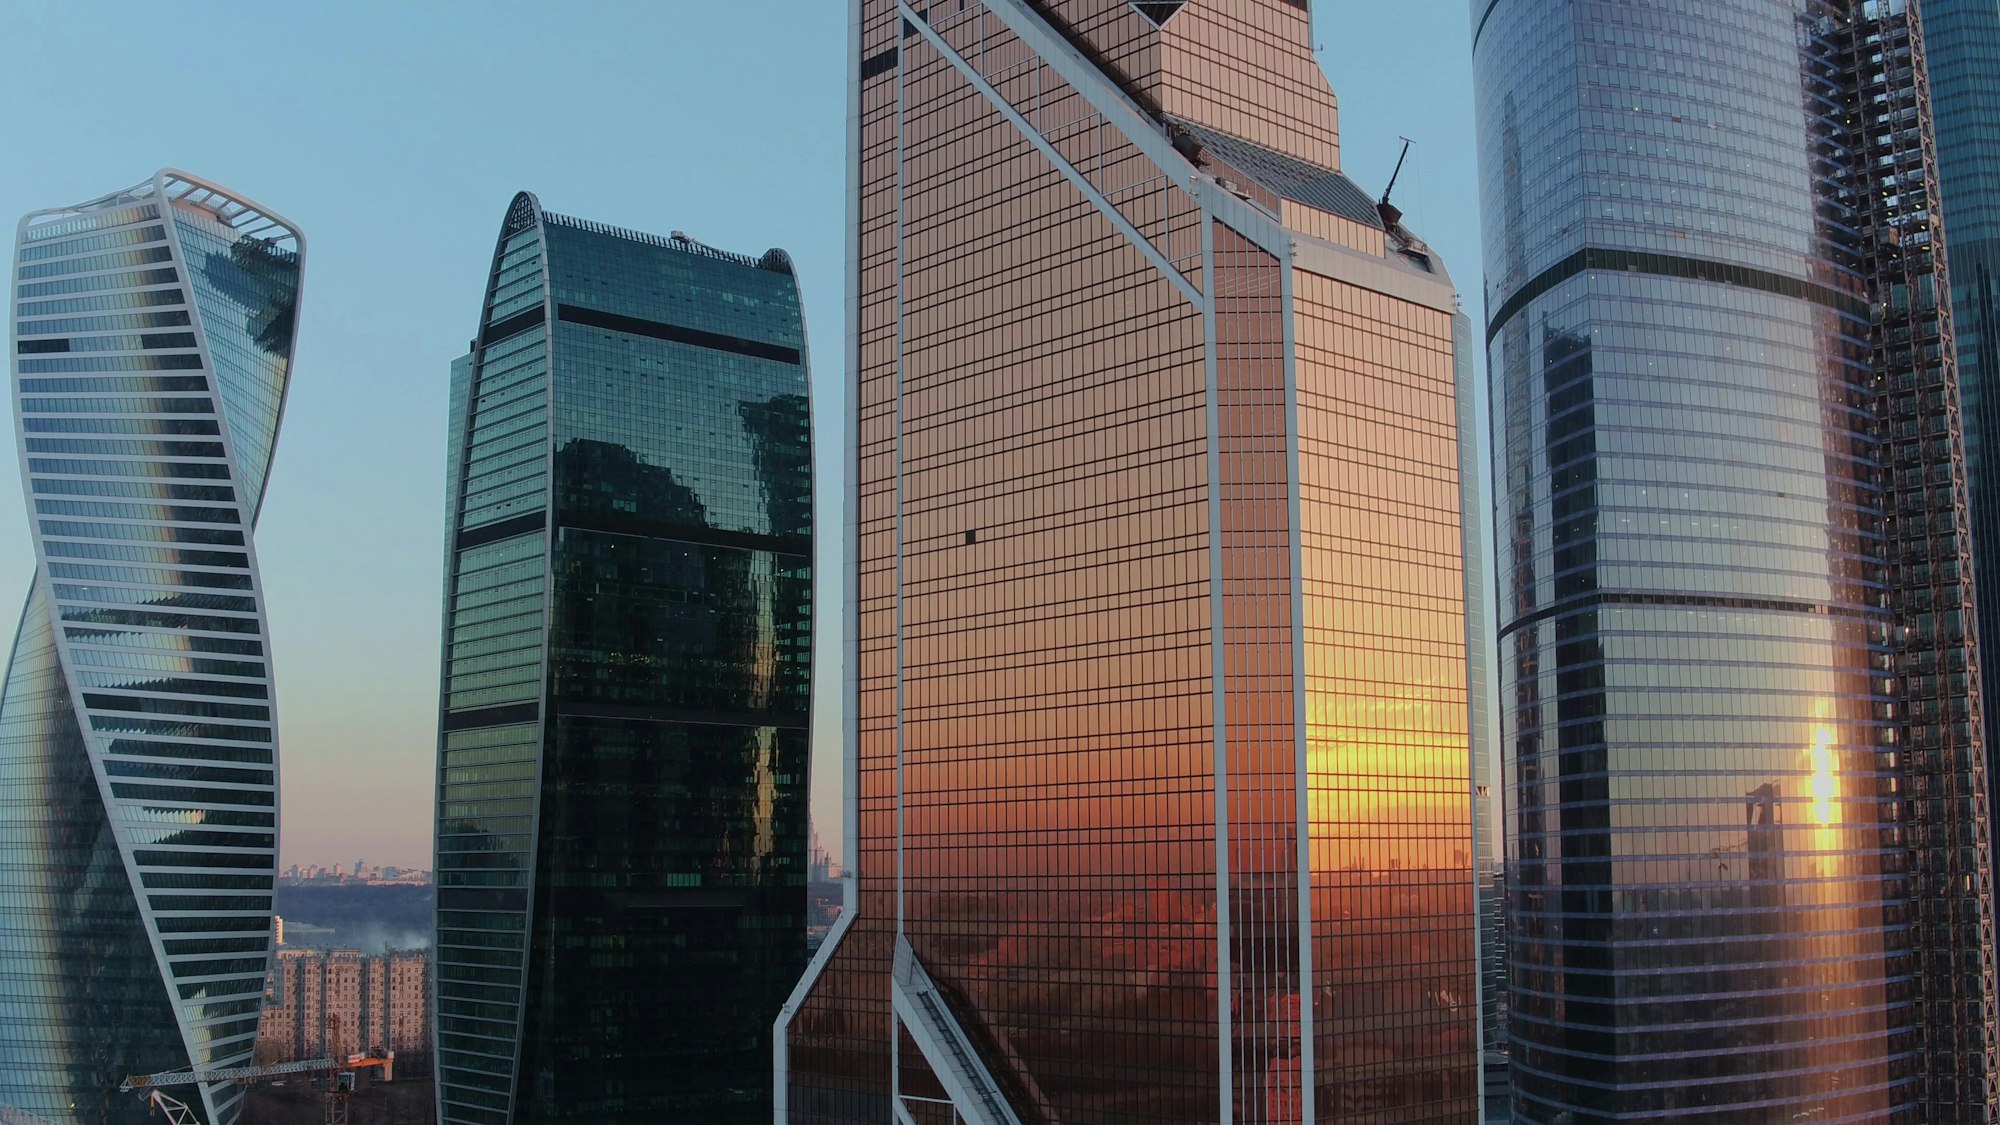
point(952, 1058)
point(1240, 215)
point(1083, 184)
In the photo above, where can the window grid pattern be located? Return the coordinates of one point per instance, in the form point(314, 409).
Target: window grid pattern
point(1732, 550)
point(1061, 669)
point(622, 827)
point(1259, 681)
point(1139, 189)
point(495, 637)
point(1961, 42)
point(1929, 554)
point(172, 754)
point(1387, 708)
point(1071, 447)
point(1244, 67)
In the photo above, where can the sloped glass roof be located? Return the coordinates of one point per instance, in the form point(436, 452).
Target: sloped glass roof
point(1288, 177)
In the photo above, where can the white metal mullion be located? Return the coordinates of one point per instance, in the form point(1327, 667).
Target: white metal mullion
point(1301, 741)
point(112, 353)
point(121, 228)
point(113, 584)
point(94, 273)
point(152, 670)
point(1218, 696)
point(902, 261)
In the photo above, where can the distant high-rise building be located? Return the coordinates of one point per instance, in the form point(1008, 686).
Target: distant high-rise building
point(152, 345)
point(1744, 750)
point(1160, 805)
point(622, 822)
point(332, 1003)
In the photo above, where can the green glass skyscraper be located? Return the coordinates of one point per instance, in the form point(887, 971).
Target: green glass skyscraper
point(1963, 41)
point(153, 332)
point(622, 816)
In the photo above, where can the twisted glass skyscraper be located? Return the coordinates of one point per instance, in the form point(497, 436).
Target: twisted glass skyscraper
point(622, 827)
point(1747, 821)
point(152, 341)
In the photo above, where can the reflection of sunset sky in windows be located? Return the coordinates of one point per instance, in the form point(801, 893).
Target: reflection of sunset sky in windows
point(1081, 594)
point(1748, 868)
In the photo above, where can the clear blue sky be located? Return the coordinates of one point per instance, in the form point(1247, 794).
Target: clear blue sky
point(395, 133)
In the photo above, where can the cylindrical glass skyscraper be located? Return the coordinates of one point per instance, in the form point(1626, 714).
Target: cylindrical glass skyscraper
point(1710, 757)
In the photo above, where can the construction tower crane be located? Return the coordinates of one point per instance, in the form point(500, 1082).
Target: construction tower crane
point(195, 1076)
point(177, 1112)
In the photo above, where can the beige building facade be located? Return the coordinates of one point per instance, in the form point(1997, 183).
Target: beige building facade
point(1157, 767)
point(322, 1003)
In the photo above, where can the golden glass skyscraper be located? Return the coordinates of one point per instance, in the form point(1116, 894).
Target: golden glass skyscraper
point(1160, 800)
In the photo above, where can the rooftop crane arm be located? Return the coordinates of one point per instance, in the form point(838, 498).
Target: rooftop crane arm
point(229, 1074)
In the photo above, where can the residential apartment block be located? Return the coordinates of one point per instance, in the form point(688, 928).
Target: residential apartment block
point(331, 1003)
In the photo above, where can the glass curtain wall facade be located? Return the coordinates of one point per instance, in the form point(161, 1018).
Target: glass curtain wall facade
point(1746, 821)
point(1484, 712)
point(1160, 791)
point(622, 823)
point(152, 340)
point(1962, 63)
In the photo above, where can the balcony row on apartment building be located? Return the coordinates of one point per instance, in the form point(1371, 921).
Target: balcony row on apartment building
point(334, 1003)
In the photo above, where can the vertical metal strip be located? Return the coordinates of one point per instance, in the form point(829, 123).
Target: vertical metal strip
point(1977, 765)
point(542, 725)
point(454, 504)
point(902, 89)
point(455, 515)
point(848, 644)
point(1301, 773)
point(1219, 720)
point(1479, 657)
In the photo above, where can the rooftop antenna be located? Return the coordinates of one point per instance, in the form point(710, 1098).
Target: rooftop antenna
point(1391, 215)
